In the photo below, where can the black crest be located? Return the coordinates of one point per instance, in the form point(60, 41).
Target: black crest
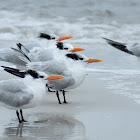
point(46, 36)
point(73, 56)
point(33, 73)
point(60, 45)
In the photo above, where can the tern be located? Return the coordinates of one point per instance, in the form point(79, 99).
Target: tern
point(50, 40)
point(130, 48)
point(12, 55)
point(45, 54)
point(25, 92)
point(73, 66)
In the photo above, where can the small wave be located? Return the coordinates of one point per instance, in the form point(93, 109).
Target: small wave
point(18, 26)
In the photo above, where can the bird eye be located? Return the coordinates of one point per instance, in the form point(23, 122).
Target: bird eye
point(53, 37)
point(41, 76)
point(65, 48)
point(81, 58)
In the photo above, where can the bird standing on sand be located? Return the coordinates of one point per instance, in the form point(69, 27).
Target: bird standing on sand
point(72, 65)
point(25, 92)
point(60, 62)
point(57, 60)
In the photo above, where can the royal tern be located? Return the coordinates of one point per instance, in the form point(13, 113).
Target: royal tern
point(25, 92)
point(53, 37)
point(131, 48)
point(50, 40)
point(73, 66)
point(12, 55)
point(38, 54)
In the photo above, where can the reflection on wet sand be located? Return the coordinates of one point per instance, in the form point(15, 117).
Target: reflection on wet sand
point(52, 128)
point(19, 130)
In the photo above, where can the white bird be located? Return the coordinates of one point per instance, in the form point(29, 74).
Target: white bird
point(12, 55)
point(45, 54)
point(131, 48)
point(72, 65)
point(25, 92)
point(56, 59)
point(50, 40)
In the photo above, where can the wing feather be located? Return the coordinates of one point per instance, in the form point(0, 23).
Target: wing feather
point(15, 96)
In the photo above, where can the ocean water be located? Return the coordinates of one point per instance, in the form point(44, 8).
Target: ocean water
point(86, 20)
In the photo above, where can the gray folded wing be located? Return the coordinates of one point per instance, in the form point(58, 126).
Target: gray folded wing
point(49, 67)
point(9, 55)
point(57, 68)
point(13, 93)
point(120, 46)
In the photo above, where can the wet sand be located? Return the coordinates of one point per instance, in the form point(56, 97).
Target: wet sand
point(93, 112)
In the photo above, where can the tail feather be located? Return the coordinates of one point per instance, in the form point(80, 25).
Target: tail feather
point(22, 52)
point(118, 45)
point(14, 71)
point(9, 68)
point(23, 48)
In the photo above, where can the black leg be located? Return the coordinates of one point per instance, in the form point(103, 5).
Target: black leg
point(18, 116)
point(22, 119)
point(63, 91)
point(57, 94)
point(50, 90)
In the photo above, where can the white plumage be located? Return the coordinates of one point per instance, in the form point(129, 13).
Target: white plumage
point(26, 92)
point(72, 65)
point(34, 50)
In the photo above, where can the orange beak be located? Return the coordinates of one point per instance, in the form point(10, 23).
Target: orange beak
point(91, 60)
point(64, 38)
point(77, 49)
point(55, 77)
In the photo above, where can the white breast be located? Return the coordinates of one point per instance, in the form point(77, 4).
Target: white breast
point(78, 72)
